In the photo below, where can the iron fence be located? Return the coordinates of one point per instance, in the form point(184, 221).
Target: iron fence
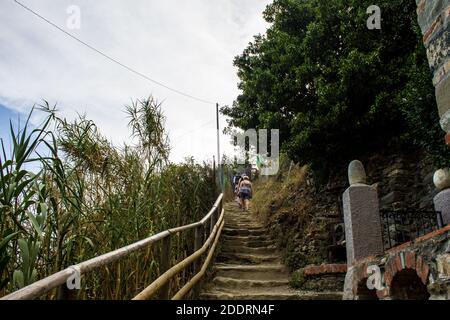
point(402, 226)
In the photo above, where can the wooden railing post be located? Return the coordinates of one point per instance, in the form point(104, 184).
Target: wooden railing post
point(197, 245)
point(203, 230)
point(212, 222)
point(164, 266)
point(63, 293)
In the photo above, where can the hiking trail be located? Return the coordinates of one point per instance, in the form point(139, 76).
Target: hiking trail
point(249, 265)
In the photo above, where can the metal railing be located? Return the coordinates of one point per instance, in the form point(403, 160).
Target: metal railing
point(212, 224)
point(402, 226)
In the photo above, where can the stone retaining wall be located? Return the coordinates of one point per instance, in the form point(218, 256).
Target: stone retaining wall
point(325, 277)
point(415, 270)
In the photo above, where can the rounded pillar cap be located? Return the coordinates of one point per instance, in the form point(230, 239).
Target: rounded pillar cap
point(356, 173)
point(441, 179)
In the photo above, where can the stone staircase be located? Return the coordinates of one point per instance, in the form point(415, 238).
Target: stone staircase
point(249, 267)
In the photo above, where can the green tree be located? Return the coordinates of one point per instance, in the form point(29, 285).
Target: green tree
point(334, 88)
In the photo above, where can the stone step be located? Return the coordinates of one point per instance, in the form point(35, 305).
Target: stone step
point(229, 221)
point(246, 258)
point(244, 249)
point(255, 243)
point(246, 284)
point(251, 272)
point(270, 295)
point(244, 232)
point(244, 226)
point(248, 266)
point(263, 237)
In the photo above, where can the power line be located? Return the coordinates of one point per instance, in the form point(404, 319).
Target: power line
point(112, 59)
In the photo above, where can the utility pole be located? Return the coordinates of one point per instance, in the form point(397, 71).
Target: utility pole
point(219, 159)
point(214, 176)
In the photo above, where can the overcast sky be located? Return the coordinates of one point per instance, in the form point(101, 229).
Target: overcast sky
point(186, 44)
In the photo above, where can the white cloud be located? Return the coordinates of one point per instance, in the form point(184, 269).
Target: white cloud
point(188, 45)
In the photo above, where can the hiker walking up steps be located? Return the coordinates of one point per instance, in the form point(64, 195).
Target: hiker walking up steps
point(236, 191)
point(236, 181)
point(245, 192)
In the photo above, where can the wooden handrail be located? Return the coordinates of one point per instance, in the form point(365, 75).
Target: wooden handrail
point(38, 288)
point(215, 206)
point(153, 288)
point(188, 286)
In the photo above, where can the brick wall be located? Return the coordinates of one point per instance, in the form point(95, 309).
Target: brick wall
point(424, 262)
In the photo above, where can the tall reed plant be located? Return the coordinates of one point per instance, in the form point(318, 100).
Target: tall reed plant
point(84, 197)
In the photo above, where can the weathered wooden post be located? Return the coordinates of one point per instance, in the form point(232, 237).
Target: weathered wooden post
point(216, 214)
point(219, 209)
point(363, 234)
point(70, 289)
point(164, 266)
point(63, 293)
point(197, 245)
point(442, 199)
point(213, 220)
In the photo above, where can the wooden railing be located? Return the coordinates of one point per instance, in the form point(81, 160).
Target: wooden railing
point(211, 224)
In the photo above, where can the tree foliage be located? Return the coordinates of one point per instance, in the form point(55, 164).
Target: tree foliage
point(334, 88)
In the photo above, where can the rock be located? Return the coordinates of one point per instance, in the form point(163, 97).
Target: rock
point(391, 198)
point(356, 173)
point(447, 248)
point(441, 179)
point(376, 186)
point(443, 265)
point(397, 172)
point(399, 183)
point(428, 178)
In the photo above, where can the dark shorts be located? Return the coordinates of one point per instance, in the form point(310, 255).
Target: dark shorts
point(245, 195)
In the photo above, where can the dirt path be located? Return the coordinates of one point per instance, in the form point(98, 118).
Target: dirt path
point(249, 266)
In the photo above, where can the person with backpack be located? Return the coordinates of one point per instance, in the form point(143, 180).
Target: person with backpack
point(245, 192)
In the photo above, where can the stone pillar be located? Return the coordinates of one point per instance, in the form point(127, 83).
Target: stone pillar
point(363, 234)
point(434, 21)
point(442, 199)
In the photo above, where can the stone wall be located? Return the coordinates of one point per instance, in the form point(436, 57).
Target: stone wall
point(303, 222)
point(403, 180)
point(325, 277)
point(309, 222)
point(416, 270)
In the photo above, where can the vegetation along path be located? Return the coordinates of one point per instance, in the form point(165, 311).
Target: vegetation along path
point(249, 265)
